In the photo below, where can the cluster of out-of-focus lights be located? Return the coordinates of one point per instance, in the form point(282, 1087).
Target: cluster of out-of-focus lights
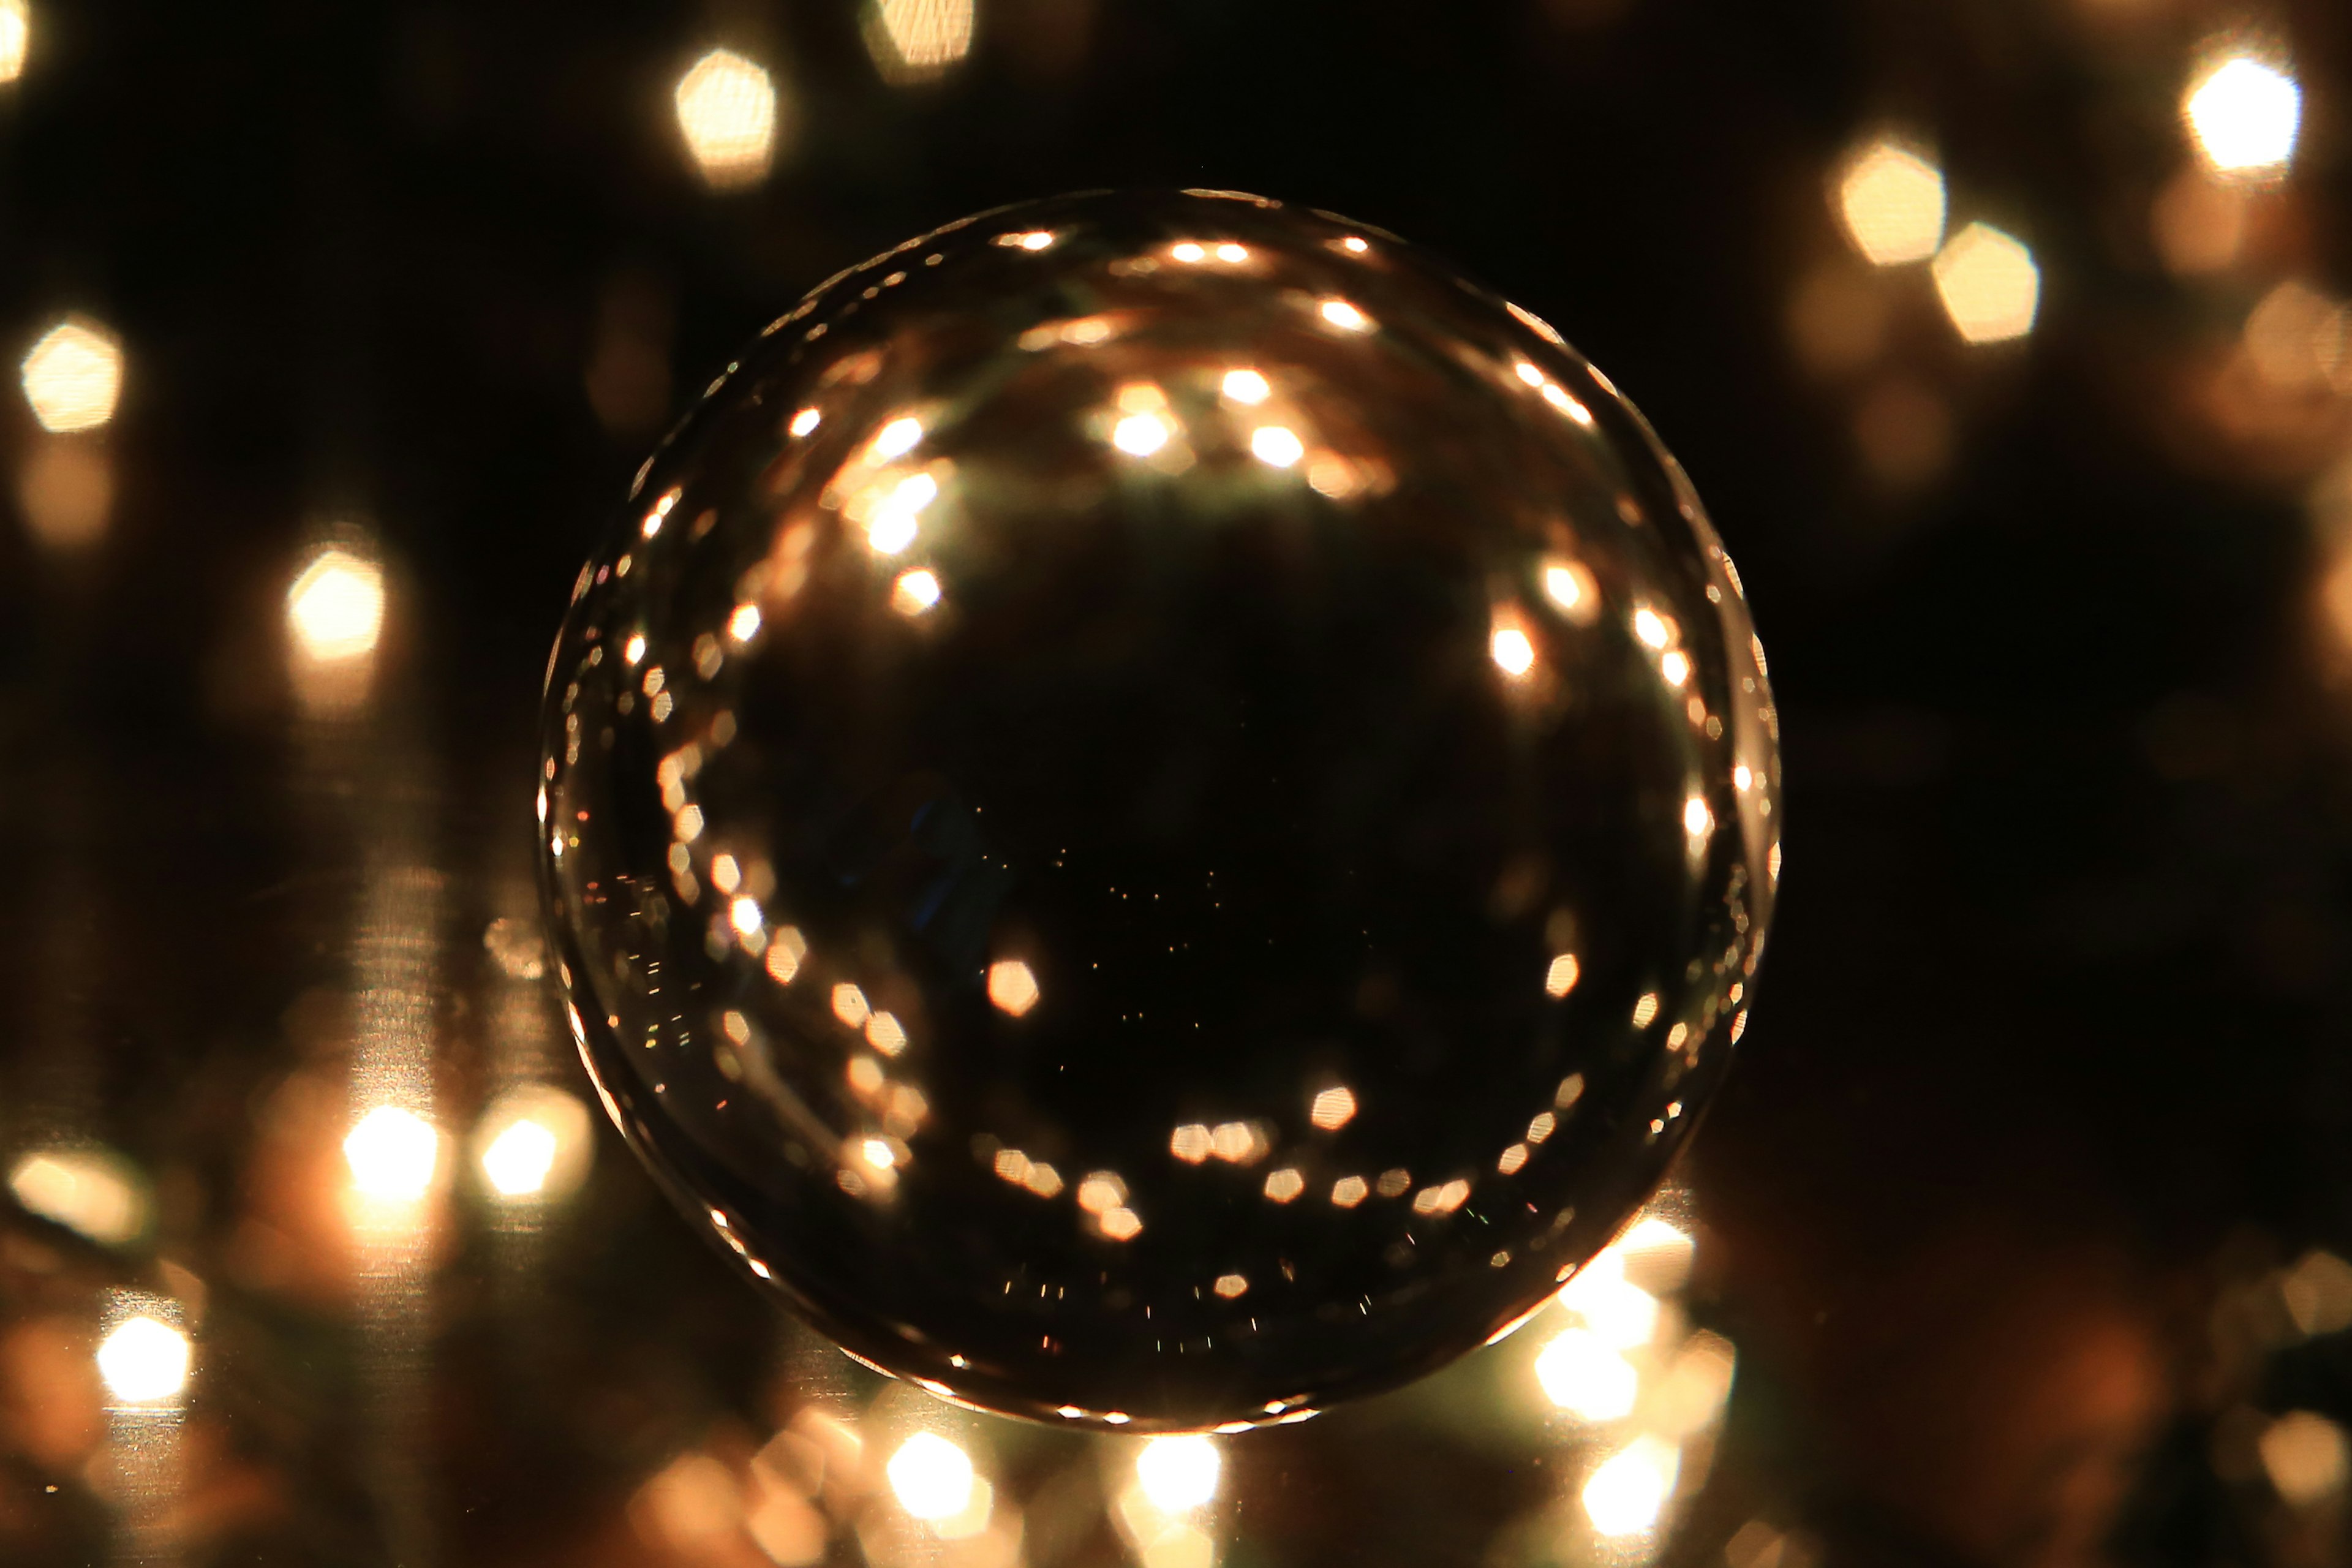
point(1586, 1376)
point(15, 38)
point(532, 1144)
point(73, 375)
point(144, 1360)
point(2243, 114)
point(727, 112)
point(893, 522)
point(392, 1152)
point(1627, 1492)
point(88, 1190)
point(915, 40)
point(1890, 197)
point(1140, 434)
point(1178, 1473)
point(335, 606)
point(1989, 284)
point(931, 1476)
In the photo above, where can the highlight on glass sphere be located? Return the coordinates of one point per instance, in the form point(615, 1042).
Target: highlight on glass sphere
point(1160, 813)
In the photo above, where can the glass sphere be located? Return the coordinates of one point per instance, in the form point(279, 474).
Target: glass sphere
point(1161, 811)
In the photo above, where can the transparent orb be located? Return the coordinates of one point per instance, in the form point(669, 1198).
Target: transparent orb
point(1160, 812)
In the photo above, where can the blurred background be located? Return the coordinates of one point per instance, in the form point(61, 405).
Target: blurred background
point(2008, 340)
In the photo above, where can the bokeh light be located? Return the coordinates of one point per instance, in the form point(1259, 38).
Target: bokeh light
point(916, 40)
point(1891, 200)
point(15, 38)
point(73, 375)
point(392, 1152)
point(1629, 1491)
point(88, 1190)
point(1988, 283)
point(727, 112)
point(2243, 115)
point(931, 1476)
point(335, 607)
point(1178, 1473)
point(144, 1360)
point(533, 1144)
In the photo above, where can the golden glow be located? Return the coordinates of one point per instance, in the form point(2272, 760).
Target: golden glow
point(1101, 1192)
point(744, 623)
point(877, 1152)
point(1245, 387)
point(744, 915)
point(1140, 434)
point(914, 40)
point(1354, 245)
point(1333, 1109)
point(1541, 1126)
point(1582, 1375)
point(1557, 396)
point(785, 951)
point(144, 1360)
point(1276, 445)
point(896, 438)
point(392, 1152)
point(1698, 821)
point(1891, 199)
point(1561, 977)
point(727, 112)
point(1012, 988)
point(1617, 1312)
point(90, 1193)
point(1510, 1160)
point(1348, 1190)
point(1188, 252)
point(931, 1476)
point(1650, 628)
point(915, 591)
point(1570, 588)
point(635, 648)
point(1675, 667)
point(1191, 1143)
point(1285, 1184)
point(892, 527)
point(1513, 654)
point(15, 38)
point(1989, 284)
point(1443, 1198)
point(73, 375)
point(1231, 254)
point(1344, 316)
point(66, 489)
point(849, 1004)
point(1645, 1009)
point(1045, 1181)
point(1528, 373)
point(806, 420)
point(1035, 239)
point(1179, 1474)
point(2243, 115)
point(535, 1142)
point(1630, 1489)
point(1694, 1390)
point(1121, 1225)
point(2304, 1456)
point(885, 1033)
point(335, 607)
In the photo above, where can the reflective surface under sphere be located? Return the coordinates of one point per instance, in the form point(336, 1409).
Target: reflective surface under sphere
point(1160, 812)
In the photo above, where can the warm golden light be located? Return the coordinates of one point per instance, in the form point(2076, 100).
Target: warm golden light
point(1630, 1491)
point(1619, 1313)
point(1245, 387)
point(915, 591)
point(518, 1161)
point(1584, 1376)
point(1348, 1190)
point(144, 1360)
point(1891, 199)
point(1333, 1109)
point(392, 1153)
point(896, 438)
point(1513, 654)
point(66, 489)
point(931, 1476)
point(806, 420)
point(2243, 115)
point(1276, 445)
point(533, 1142)
point(1570, 588)
point(727, 111)
point(913, 41)
point(1178, 1474)
point(1344, 316)
point(1012, 988)
point(1285, 1184)
point(73, 375)
point(90, 1193)
point(1140, 434)
point(1988, 283)
point(892, 526)
point(1561, 977)
point(335, 607)
point(15, 38)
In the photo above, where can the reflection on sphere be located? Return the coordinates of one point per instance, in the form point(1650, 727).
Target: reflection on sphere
point(1160, 812)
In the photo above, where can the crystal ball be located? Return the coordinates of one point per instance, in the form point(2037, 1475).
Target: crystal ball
point(1160, 811)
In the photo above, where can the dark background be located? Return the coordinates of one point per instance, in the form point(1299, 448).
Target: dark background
point(2051, 1071)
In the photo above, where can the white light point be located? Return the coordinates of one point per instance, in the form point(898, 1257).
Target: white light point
point(893, 527)
point(73, 375)
point(806, 420)
point(1513, 654)
point(1989, 284)
point(727, 112)
point(1630, 1491)
point(335, 607)
point(1344, 316)
point(1012, 987)
point(1178, 1474)
point(144, 1360)
point(1247, 387)
point(1891, 199)
point(16, 36)
point(931, 1476)
point(1277, 445)
point(392, 1152)
point(915, 591)
point(518, 1161)
point(2245, 115)
point(1140, 434)
point(1583, 1375)
point(896, 438)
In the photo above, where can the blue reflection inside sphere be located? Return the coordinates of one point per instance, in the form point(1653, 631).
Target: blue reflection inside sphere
point(1160, 812)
